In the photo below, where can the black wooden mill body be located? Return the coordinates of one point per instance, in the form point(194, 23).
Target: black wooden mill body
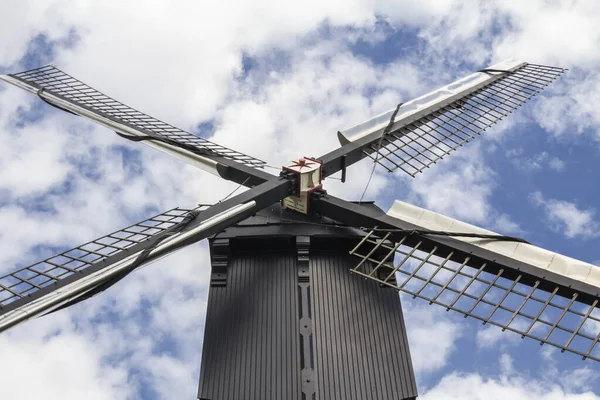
point(285, 320)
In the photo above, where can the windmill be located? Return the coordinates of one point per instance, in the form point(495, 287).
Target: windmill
point(289, 313)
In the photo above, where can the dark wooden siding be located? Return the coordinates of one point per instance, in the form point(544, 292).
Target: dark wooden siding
point(251, 341)
point(252, 337)
point(361, 345)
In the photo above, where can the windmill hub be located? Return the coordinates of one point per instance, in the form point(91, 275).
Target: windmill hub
point(308, 174)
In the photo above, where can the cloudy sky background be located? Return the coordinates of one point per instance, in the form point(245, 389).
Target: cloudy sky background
point(276, 80)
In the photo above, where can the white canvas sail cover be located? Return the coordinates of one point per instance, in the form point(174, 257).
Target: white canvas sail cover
point(427, 129)
point(462, 85)
point(68, 93)
point(523, 252)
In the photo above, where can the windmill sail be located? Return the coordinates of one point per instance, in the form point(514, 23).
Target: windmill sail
point(513, 285)
point(85, 270)
point(66, 92)
point(90, 268)
point(430, 127)
point(49, 277)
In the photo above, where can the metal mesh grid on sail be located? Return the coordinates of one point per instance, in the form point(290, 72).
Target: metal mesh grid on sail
point(48, 275)
point(68, 88)
point(423, 142)
point(494, 294)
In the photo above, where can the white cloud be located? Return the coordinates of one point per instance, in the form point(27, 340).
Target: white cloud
point(489, 337)
point(567, 218)
point(432, 335)
point(475, 387)
point(535, 163)
point(570, 113)
point(512, 381)
point(51, 359)
point(461, 187)
point(535, 24)
point(556, 164)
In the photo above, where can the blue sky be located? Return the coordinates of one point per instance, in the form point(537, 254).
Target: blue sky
point(277, 81)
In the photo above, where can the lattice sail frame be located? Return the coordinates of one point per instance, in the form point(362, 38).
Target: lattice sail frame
point(419, 144)
point(513, 301)
point(52, 80)
point(42, 277)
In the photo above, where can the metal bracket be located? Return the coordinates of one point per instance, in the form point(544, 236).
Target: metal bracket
point(343, 162)
point(219, 261)
point(292, 177)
